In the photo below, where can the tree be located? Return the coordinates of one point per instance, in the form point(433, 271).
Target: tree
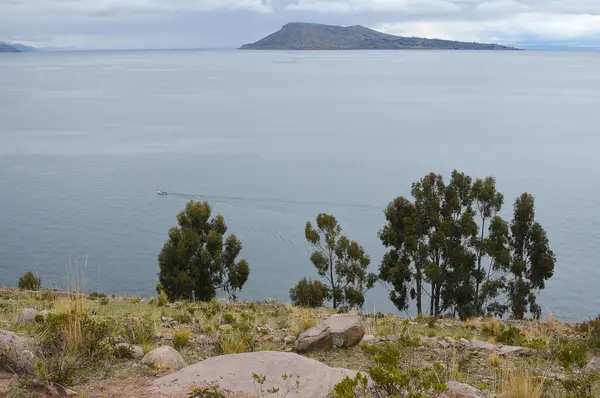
point(198, 259)
point(531, 259)
point(309, 293)
point(29, 282)
point(343, 263)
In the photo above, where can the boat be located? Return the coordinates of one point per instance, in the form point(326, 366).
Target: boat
point(159, 192)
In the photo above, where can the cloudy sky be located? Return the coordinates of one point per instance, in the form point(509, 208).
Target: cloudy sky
point(103, 24)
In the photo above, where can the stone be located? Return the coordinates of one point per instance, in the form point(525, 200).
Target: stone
point(164, 356)
point(483, 345)
point(16, 352)
point(44, 314)
point(516, 350)
point(593, 365)
point(289, 340)
point(226, 328)
point(370, 339)
point(428, 340)
point(136, 351)
point(450, 340)
point(460, 390)
point(27, 316)
point(315, 338)
point(234, 372)
point(464, 342)
point(337, 331)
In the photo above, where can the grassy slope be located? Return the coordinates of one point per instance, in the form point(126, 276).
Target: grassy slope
point(221, 328)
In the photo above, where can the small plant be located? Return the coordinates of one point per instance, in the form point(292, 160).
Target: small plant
point(492, 327)
point(162, 299)
point(494, 359)
point(185, 318)
point(123, 351)
point(139, 331)
point(519, 384)
point(512, 335)
point(260, 379)
point(309, 293)
point(431, 321)
point(205, 392)
point(104, 301)
point(29, 282)
point(305, 320)
point(181, 338)
point(358, 387)
point(152, 301)
point(148, 346)
point(134, 300)
point(228, 318)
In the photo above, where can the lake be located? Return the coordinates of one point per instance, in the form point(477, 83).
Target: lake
point(271, 139)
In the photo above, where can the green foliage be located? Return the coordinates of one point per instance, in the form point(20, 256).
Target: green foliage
point(198, 259)
point(123, 352)
point(389, 379)
point(29, 282)
point(97, 295)
point(205, 392)
point(181, 338)
point(139, 331)
point(511, 335)
point(571, 353)
point(343, 263)
point(591, 329)
point(309, 293)
point(435, 243)
point(67, 342)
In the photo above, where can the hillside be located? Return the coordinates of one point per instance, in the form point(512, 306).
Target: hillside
point(94, 346)
point(309, 36)
point(7, 48)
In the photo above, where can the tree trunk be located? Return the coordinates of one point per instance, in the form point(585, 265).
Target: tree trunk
point(438, 292)
point(479, 257)
point(419, 279)
point(332, 283)
point(432, 299)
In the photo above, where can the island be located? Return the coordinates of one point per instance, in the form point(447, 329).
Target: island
point(312, 36)
point(8, 48)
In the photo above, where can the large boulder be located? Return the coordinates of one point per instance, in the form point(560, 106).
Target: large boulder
point(165, 357)
point(234, 373)
point(27, 316)
point(336, 331)
point(16, 353)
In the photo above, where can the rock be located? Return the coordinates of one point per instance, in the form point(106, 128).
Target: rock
point(27, 316)
point(234, 373)
point(444, 344)
point(464, 342)
point(289, 340)
point(44, 314)
point(226, 328)
point(336, 331)
point(164, 356)
point(370, 339)
point(483, 345)
point(315, 338)
point(593, 365)
point(516, 350)
point(136, 350)
point(450, 340)
point(460, 390)
point(15, 351)
point(427, 340)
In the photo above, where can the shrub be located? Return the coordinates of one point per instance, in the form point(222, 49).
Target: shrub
point(162, 299)
point(519, 384)
point(389, 379)
point(205, 392)
point(181, 338)
point(305, 320)
point(512, 335)
point(309, 293)
point(134, 300)
point(97, 295)
point(29, 282)
point(139, 331)
point(123, 352)
point(495, 359)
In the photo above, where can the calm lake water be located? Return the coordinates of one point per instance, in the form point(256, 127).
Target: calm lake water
point(273, 138)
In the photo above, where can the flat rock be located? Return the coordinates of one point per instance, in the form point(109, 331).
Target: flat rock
point(136, 351)
point(234, 373)
point(27, 316)
point(15, 352)
point(370, 339)
point(516, 350)
point(464, 342)
point(483, 345)
point(460, 390)
point(164, 356)
point(337, 331)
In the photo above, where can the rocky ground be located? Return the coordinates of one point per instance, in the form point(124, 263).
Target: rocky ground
point(65, 345)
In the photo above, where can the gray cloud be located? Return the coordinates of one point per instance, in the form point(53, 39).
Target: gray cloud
point(229, 23)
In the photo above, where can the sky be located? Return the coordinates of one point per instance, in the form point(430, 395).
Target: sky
point(139, 24)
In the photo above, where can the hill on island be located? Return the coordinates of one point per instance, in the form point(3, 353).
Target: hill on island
point(8, 48)
point(310, 36)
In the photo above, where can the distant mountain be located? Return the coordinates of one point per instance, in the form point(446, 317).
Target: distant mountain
point(8, 48)
point(23, 48)
point(310, 36)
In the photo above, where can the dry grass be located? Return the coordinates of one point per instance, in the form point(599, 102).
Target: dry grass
point(520, 384)
point(492, 327)
point(233, 342)
point(495, 360)
point(181, 338)
point(303, 320)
